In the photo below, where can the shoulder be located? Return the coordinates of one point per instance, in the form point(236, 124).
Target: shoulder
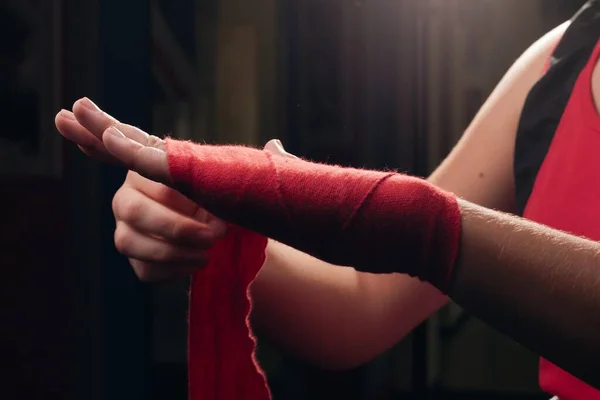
point(530, 66)
point(480, 168)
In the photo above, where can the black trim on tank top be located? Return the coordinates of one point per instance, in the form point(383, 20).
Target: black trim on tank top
point(548, 99)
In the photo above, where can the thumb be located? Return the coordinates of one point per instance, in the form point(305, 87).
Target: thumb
point(274, 146)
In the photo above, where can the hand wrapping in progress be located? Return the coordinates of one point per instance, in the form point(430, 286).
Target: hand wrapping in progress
point(378, 222)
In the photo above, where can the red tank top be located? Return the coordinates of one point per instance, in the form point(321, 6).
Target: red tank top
point(565, 196)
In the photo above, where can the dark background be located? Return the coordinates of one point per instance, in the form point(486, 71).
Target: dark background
point(374, 83)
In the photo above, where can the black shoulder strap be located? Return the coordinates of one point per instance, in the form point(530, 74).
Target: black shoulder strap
point(548, 98)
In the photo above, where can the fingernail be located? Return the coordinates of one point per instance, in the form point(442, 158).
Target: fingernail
point(87, 103)
point(66, 114)
point(279, 143)
point(114, 132)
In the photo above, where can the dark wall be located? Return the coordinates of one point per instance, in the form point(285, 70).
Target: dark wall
point(76, 321)
point(77, 324)
point(37, 324)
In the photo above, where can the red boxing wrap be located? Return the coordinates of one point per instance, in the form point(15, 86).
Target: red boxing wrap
point(221, 358)
point(373, 221)
point(378, 222)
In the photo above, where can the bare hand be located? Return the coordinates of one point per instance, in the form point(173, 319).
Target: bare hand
point(104, 138)
point(164, 234)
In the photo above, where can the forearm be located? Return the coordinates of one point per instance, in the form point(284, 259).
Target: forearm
point(373, 221)
point(539, 286)
point(335, 316)
point(526, 280)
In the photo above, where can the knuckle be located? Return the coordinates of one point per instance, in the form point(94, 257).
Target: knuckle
point(178, 230)
point(129, 208)
point(116, 202)
point(163, 254)
point(123, 239)
point(164, 193)
point(175, 230)
point(154, 141)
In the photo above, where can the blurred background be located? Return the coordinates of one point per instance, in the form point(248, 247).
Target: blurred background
point(377, 83)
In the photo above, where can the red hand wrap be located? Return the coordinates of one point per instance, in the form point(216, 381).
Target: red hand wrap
point(222, 363)
point(373, 221)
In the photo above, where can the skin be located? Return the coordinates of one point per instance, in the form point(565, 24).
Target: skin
point(340, 318)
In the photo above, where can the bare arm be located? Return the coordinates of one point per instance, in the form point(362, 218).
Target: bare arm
point(323, 311)
point(334, 315)
point(538, 285)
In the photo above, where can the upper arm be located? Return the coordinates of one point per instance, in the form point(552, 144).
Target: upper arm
point(480, 167)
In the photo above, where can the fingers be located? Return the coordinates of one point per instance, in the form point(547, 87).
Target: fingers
point(133, 149)
point(169, 198)
point(151, 218)
point(160, 242)
point(145, 248)
point(155, 272)
point(164, 234)
point(149, 160)
point(86, 125)
point(96, 121)
point(162, 194)
point(71, 129)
